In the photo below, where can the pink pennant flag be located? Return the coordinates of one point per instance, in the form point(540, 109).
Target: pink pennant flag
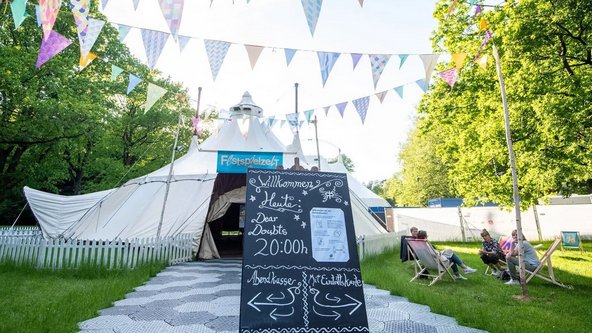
point(49, 10)
point(485, 40)
point(172, 10)
point(449, 76)
point(51, 46)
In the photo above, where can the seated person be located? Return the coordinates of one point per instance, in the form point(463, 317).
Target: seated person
point(450, 255)
point(297, 166)
point(404, 253)
point(531, 260)
point(491, 253)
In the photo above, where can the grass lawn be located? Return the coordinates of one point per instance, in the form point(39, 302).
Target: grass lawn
point(484, 302)
point(46, 301)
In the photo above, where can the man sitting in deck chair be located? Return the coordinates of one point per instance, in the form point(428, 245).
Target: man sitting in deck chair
point(531, 260)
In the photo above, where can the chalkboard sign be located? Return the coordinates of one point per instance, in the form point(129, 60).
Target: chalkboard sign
point(300, 265)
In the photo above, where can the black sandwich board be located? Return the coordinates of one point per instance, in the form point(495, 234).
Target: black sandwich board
point(300, 265)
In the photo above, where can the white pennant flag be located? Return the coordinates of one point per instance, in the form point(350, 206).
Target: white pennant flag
point(429, 63)
point(254, 52)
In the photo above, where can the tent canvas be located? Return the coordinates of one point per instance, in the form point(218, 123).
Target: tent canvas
point(197, 194)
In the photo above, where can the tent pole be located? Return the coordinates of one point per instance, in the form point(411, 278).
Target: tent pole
point(317, 139)
point(296, 103)
point(168, 182)
point(514, 174)
point(197, 109)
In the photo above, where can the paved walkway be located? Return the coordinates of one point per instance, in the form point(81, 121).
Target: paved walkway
point(204, 297)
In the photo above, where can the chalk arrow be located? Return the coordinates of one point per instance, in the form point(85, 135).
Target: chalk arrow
point(270, 300)
point(356, 304)
point(274, 315)
point(335, 314)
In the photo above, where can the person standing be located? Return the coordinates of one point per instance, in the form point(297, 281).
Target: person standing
point(531, 260)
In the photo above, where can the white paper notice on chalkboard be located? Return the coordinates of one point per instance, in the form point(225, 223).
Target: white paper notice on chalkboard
point(328, 235)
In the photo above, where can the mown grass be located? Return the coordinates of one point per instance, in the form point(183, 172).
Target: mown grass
point(484, 302)
point(56, 301)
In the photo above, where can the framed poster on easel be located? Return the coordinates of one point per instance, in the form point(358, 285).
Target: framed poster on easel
point(300, 265)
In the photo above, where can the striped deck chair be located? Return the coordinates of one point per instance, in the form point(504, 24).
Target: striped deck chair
point(427, 262)
point(546, 261)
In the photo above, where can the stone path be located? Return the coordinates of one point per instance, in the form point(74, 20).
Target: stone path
point(204, 297)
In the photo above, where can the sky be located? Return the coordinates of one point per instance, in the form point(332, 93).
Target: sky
point(379, 27)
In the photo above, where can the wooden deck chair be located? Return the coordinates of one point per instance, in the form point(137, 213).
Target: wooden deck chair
point(571, 240)
point(427, 259)
point(546, 261)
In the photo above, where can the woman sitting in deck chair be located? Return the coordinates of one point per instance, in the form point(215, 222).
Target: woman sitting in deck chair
point(491, 253)
point(450, 255)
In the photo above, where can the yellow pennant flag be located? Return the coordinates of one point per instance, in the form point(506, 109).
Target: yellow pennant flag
point(482, 62)
point(85, 61)
point(459, 59)
point(482, 24)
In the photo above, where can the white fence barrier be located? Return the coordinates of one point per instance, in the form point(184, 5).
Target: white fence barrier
point(20, 231)
point(71, 254)
point(376, 244)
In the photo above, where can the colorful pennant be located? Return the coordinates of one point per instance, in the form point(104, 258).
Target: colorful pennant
point(49, 10)
point(182, 41)
point(123, 30)
point(399, 91)
point(378, 63)
point(402, 59)
point(92, 33)
point(154, 42)
point(361, 105)
point(153, 94)
point(312, 10)
point(18, 9)
point(459, 59)
point(450, 76)
point(381, 96)
point(133, 82)
point(79, 10)
point(51, 46)
point(172, 10)
point(341, 108)
point(289, 55)
point(115, 71)
point(216, 50)
point(254, 51)
point(85, 61)
point(326, 61)
point(356, 58)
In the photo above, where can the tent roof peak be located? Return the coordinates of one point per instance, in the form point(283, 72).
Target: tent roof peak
point(246, 107)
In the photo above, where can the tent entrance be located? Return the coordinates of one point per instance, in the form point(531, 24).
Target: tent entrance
point(227, 231)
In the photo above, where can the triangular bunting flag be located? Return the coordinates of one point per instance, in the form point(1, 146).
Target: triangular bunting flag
point(485, 40)
point(483, 61)
point(115, 71)
point(182, 41)
point(123, 30)
point(326, 61)
point(422, 84)
point(402, 59)
point(154, 42)
point(271, 121)
point(254, 51)
point(459, 59)
point(216, 50)
point(482, 24)
point(378, 63)
point(153, 94)
point(289, 55)
point(79, 10)
point(326, 108)
point(49, 11)
point(312, 10)
point(429, 62)
point(341, 108)
point(136, 3)
point(282, 123)
point(172, 10)
point(356, 58)
point(381, 95)
point(361, 3)
point(477, 10)
point(50, 47)
point(449, 76)
point(38, 15)
point(308, 115)
point(361, 105)
point(85, 61)
point(104, 4)
point(18, 9)
point(92, 33)
point(292, 119)
point(133, 82)
point(399, 91)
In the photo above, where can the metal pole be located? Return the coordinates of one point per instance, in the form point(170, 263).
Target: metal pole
point(197, 110)
point(514, 174)
point(296, 103)
point(168, 181)
point(317, 140)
